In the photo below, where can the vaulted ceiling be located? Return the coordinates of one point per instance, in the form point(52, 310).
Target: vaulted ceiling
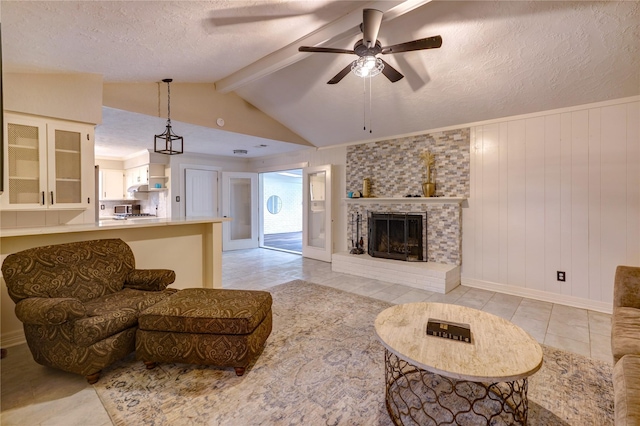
point(497, 59)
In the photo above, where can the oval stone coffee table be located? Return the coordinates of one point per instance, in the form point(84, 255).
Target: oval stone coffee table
point(434, 380)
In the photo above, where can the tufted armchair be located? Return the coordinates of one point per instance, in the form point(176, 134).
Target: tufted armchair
point(79, 302)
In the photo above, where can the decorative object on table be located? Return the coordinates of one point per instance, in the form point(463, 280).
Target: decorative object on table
point(366, 188)
point(357, 244)
point(449, 330)
point(428, 187)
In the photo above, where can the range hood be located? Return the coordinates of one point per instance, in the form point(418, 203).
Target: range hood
point(138, 188)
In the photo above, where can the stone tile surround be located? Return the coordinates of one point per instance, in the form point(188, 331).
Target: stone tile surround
point(395, 170)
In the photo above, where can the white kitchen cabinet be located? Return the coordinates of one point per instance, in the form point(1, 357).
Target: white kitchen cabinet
point(46, 164)
point(136, 176)
point(112, 185)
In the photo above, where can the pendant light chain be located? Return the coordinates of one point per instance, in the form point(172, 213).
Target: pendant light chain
point(169, 102)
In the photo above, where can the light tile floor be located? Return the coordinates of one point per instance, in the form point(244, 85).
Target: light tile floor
point(36, 395)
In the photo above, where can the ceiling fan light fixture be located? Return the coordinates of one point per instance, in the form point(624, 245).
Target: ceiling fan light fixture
point(367, 66)
point(168, 142)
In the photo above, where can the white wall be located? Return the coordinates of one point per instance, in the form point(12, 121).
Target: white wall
point(75, 97)
point(555, 191)
point(178, 164)
point(289, 189)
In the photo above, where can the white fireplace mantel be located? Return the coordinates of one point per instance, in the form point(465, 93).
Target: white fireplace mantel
point(399, 200)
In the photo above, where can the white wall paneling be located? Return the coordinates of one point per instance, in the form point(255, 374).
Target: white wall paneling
point(516, 203)
point(534, 206)
point(556, 191)
point(578, 273)
point(552, 203)
point(633, 178)
point(594, 197)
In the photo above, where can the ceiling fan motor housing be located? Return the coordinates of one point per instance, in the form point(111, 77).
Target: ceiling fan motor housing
point(361, 50)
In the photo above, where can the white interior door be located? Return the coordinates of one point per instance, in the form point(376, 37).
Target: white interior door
point(317, 241)
point(240, 203)
point(201, 193)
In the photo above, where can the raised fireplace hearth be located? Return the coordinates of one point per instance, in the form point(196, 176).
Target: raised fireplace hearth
point(397, 236)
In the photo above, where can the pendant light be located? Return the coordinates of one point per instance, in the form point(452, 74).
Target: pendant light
point(168, 142)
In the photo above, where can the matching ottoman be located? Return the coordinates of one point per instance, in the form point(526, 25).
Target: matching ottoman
point(226, 328)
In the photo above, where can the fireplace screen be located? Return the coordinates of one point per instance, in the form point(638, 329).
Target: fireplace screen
point(396, 236)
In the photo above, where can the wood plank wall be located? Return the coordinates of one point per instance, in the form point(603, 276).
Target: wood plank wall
point(555, 192)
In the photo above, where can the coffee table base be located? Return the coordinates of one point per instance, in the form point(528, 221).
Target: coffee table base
point(418, 397)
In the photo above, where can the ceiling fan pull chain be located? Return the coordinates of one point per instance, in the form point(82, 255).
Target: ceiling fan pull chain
point(364, 104)
point(370, 105)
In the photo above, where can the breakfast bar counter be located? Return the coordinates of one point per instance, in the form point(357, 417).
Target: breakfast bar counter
point(107, 224)
point(192, 247)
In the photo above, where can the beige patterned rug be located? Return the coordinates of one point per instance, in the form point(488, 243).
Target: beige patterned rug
point(322, 365)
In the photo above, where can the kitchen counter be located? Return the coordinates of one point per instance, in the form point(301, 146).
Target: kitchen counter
point(192, 247)
point(109, 224)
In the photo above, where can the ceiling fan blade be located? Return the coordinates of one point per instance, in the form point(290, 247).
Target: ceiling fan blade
point(421, 44)
point(323, 50)
point(391, 73)
point(342, 74)
point(371, 20)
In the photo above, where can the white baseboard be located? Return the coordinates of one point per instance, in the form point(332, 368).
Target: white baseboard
point(12, 338)
point(545, 296)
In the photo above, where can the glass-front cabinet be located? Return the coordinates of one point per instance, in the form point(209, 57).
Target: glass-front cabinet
point(44, 164)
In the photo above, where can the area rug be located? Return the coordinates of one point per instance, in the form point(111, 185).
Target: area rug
point(322, 365)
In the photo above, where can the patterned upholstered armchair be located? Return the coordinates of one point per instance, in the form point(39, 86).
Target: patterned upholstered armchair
point(79, 302)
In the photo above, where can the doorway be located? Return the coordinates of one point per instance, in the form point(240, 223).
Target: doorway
point(282, 213)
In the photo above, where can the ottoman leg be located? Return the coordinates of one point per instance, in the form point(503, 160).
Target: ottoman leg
point(93, 378)
point(150, 365)
point(239, 371)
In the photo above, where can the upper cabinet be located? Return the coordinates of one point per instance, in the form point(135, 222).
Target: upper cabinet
point(46, 164)
point(111, 184)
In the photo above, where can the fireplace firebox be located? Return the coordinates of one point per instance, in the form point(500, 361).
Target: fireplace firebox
point(396, 236)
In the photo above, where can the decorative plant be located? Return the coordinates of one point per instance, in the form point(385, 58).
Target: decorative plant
point(429, 160)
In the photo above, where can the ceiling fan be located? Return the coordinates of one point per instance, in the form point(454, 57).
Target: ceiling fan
point(368, 47)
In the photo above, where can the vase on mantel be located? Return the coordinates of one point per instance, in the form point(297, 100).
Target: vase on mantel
point(428, 189)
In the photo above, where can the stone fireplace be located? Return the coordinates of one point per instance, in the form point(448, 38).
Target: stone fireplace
point(396, 173)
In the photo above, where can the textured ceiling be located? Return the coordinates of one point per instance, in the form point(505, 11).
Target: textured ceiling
point(497, 59)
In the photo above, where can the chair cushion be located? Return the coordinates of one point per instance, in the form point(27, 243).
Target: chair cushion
point(626, 387)
point(113, 313)
point(208, 311)
point(625, 329)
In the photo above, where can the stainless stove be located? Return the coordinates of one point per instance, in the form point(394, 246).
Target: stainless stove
point(125, 216)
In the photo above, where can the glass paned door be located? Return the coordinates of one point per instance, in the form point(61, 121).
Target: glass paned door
point(240, 200)
point(317, 223)
point(68, 167)
point(25, 165)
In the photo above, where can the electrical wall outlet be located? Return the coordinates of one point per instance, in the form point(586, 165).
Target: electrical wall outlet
point(561, 276)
